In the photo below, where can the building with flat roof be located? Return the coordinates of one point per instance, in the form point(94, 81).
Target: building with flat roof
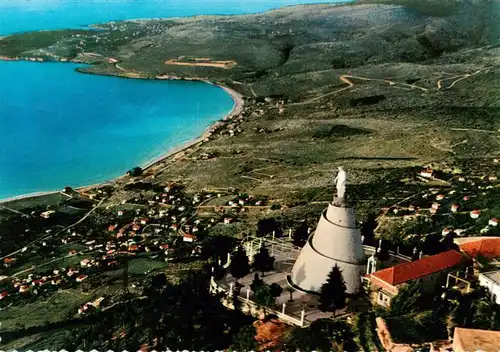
point(491, 281)
point(472, 340)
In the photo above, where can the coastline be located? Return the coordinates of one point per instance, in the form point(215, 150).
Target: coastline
point(175, 151)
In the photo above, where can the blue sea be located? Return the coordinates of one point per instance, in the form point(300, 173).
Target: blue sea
point(62, 128)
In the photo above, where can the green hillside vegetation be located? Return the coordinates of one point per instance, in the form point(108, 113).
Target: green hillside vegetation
point(382, 90)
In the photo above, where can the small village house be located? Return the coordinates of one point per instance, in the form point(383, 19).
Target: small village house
point(454, 208)
point(85, 263)
point(440, 197)
point(189, 238)
point(81, 278)
point(133, 248)
point(23, 288)
point(3, 295)
point(493, 222)
point(47, 214)
point(427, 173)
point(475, 214)
point(7, 262)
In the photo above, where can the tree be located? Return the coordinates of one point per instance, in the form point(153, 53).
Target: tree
point(239, 266)
point(159, 281)
point(383, 255)
point(333, 292)
point(407, 299)
point(276, 290)
point(264, 296)
point(262, 261)
point(270, 332)
point(300, 234)
point(368, 228)
point(267, 226)
point(256, 283)
point(136, 171)
point(322, 335)
point(245, 339)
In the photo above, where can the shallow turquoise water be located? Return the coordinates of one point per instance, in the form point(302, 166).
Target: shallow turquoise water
point(80, 129)
point(61, 128)
point(29, 15)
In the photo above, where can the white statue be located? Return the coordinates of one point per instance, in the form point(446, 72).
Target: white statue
point(341, 180)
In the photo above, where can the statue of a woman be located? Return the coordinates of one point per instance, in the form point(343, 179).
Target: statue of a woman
point(341, 180)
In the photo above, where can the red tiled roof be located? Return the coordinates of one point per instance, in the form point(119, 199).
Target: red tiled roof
point(413, 270)
point(487, 247)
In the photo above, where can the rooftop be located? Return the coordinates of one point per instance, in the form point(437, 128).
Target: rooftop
point(420, 268)
point(476, 340)
point(493, 276)
point(488, 247)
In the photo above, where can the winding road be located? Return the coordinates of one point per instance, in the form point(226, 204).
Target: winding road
point(347, 79)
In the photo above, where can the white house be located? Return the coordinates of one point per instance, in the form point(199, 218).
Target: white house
point(475, 214)
point(491, 281)
point(427, 173)
point(84, 263)
point(493, 222)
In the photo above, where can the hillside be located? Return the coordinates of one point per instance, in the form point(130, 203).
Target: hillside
point(381, 87)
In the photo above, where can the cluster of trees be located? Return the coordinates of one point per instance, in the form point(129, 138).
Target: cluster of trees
point(264, 294)
point(322, 335)
point(134, 172)
point(175, 317)
point(240, 265)
point(475, 310)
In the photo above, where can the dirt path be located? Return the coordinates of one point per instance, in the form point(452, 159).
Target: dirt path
point(457, 79)
point(345, 79)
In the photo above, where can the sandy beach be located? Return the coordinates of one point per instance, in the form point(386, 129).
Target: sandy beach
point(176, 151)
point(236, 110)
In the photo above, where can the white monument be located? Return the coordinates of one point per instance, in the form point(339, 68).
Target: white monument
point(337, 240)
point(341, 181)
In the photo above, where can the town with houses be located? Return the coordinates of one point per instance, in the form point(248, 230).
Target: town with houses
point(452, 229)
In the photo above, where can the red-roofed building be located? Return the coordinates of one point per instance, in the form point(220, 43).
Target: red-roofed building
point(133, 248)
point(189, 238)
point(81, 278)
point(487, 247)
point(431, 270)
